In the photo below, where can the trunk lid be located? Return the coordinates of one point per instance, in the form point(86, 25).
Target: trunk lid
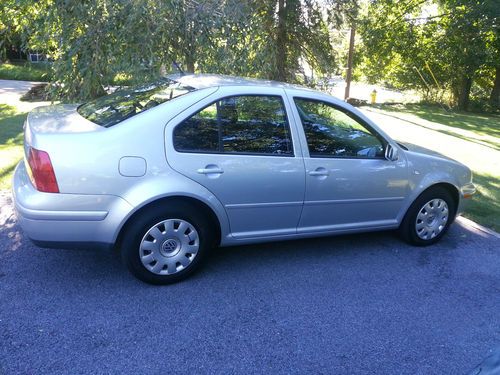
point(43, 123)
point(62, 118)
point(52, 135)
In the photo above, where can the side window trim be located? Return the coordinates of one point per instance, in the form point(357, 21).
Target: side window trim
point(221, 151)
point(219, 125)
point(347, 112)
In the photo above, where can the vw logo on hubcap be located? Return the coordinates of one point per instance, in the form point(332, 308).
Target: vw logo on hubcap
point(169, 247)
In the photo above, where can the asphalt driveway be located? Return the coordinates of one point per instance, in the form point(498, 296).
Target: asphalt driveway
point(363, 304)
point(11, 92)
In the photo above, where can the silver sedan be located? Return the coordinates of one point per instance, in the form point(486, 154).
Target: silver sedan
point(168, 170)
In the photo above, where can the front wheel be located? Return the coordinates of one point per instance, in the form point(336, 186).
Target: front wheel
point(428, 218)
point(166, 245)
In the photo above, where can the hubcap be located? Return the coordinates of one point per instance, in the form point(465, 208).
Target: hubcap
point(169, 246)
point(431, 219)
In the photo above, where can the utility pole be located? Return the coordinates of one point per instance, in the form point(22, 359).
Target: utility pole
point(349, 63)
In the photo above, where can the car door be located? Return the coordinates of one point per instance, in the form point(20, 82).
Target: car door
point(241, 147)
point(349, 182)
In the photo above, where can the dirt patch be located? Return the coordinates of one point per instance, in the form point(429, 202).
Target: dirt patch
point(37, 93)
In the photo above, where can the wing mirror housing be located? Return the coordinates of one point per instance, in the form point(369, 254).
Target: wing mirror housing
point(391, 152)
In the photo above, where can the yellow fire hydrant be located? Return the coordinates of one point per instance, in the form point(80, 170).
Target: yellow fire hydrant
point(373, 96)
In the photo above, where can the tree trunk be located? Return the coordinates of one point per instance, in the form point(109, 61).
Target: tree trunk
point(349, 64)
point(280, 73)
point(190, 62)
point(189, 38)
point(495, 92)
point(464, 93)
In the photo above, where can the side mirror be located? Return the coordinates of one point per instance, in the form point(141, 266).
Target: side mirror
point(391, 152)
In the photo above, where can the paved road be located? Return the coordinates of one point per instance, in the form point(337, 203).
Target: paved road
point(11, 92)
point(364, 304)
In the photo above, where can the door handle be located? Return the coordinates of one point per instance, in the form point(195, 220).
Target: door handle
point(210, 170)
point(319, 172)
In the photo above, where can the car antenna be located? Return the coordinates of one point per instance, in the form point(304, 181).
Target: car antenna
point(176, 66)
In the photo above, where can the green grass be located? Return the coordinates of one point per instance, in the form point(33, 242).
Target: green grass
point(484, 207)
point(25, 71)
point(480, 128)
point(11, 142)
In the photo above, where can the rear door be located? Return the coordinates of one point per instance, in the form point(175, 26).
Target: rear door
point(240, 145)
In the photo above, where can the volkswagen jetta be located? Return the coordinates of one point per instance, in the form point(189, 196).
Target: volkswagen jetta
point(168, 170)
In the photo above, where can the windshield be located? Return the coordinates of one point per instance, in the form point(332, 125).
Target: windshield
point(122, 104)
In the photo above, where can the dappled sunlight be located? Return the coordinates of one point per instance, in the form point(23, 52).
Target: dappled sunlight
point(11, 124)
point(477, 123)
point(7, 110)
point(15, 141)
point(485, 204)
point(11, 142)
point(8, 223)
point(453, 128)
point(6, 176)
point(479, 157)
point(11, 92)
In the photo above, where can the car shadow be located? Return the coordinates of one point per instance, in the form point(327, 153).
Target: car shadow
point(298, 256)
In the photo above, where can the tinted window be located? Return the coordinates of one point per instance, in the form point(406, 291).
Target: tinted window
point(247, 124)
point(122, 104)
point(331, 132)
point(199, 132)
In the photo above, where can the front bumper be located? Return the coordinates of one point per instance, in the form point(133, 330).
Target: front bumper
point(66, 220)
point(466, 193)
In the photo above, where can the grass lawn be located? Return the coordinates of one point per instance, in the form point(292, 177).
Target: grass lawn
point(479, 128)
point(484, 208)
point(25, 71)
point(11, 142)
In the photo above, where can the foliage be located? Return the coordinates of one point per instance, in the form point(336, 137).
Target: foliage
point(433, 46)
point(447, 49)
point(93, 41)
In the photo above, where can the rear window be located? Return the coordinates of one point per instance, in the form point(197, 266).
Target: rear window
point(123, 104)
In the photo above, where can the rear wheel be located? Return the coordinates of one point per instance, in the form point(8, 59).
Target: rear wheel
point(428, 218)
point(166, 245)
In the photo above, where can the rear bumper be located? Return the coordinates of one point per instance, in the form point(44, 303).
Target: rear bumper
point(66, 220)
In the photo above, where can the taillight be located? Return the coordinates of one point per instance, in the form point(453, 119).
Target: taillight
point(42, 174)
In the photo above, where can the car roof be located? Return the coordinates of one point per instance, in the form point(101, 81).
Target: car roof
point(201, 81)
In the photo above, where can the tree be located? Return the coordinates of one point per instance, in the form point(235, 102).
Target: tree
point(91, 41)
point(403, 39)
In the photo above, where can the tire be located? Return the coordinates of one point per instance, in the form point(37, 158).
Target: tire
point(166, 244)
point(429, 217)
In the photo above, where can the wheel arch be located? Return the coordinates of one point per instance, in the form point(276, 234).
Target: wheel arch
point(452, 189)
point(194, 203)
point(449, 187)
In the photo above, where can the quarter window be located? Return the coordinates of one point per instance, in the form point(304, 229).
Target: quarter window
point(331, 132)
point(248, 124)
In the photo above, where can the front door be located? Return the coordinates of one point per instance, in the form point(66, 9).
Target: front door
point(349, 182)
point(240, 148)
